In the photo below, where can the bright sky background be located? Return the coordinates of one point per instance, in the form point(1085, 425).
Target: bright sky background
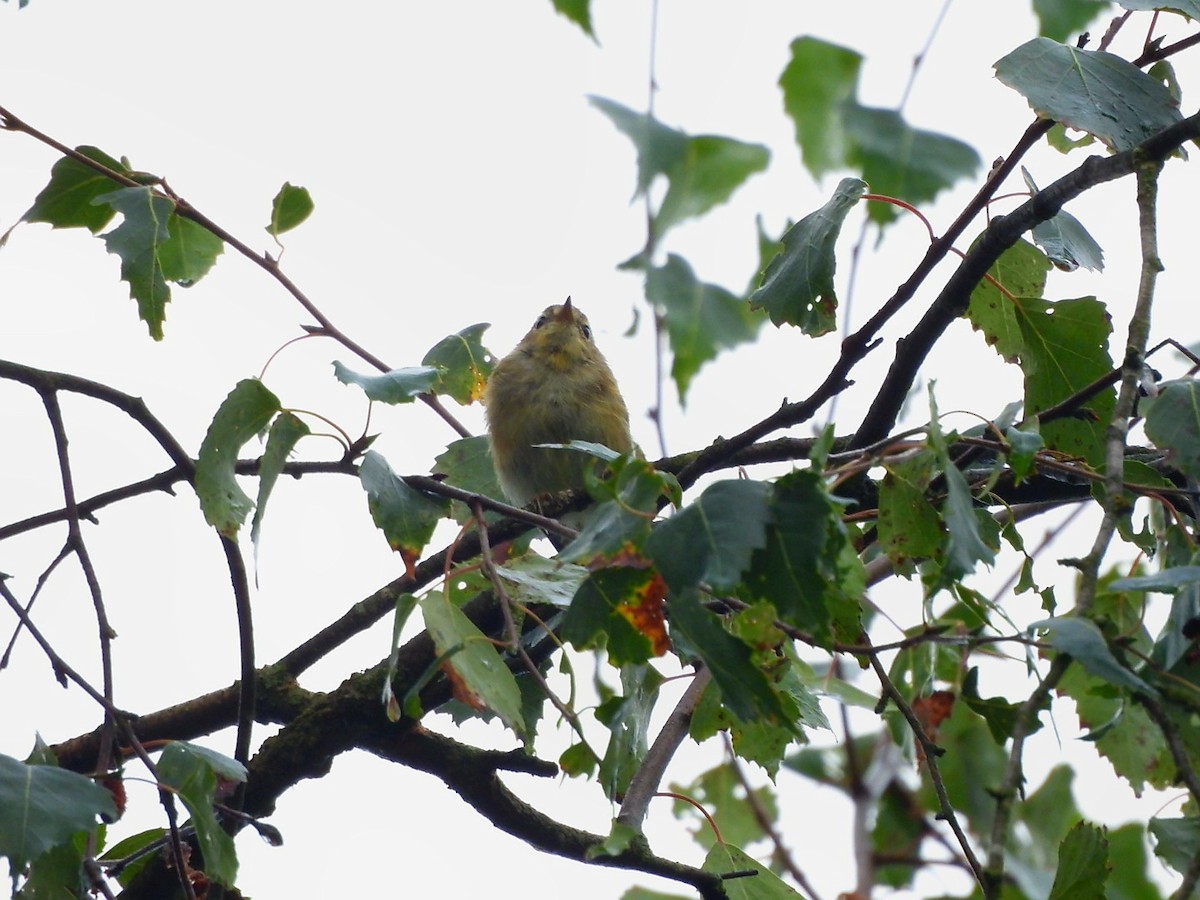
point(460, 176)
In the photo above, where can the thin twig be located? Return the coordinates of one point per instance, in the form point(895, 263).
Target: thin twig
point(932, 752)
point(75, 539)
point(781, 853)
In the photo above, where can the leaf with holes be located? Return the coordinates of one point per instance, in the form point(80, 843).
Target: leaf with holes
point(797, 286)
point(463, 364)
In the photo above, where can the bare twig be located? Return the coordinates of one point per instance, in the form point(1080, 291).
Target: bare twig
point(781, 853)
point(932, 752)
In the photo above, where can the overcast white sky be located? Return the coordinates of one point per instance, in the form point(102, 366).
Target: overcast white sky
point(459, 176)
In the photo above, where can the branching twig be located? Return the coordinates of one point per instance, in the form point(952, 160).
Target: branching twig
point(79, 547)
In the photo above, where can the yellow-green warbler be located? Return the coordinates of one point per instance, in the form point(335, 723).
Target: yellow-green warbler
point(555, 387)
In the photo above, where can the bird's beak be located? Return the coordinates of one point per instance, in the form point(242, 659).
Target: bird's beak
point(566, 312)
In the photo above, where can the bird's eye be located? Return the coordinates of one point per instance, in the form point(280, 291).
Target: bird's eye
point(541, 320)
point(586, 331)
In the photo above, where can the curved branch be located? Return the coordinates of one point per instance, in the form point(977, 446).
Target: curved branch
point(473, 775)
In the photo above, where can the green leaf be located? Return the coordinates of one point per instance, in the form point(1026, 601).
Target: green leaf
point(762, 885)
point(744, 687)
point(1082, 864)
point(189, 251)
point(533, 579)
point(1064, 238)
point(711, 169)
point(467, 464)
point(797, 286)
point(286, 431)
point(1089, 90)
point(965, 544)
point(1168, 581)
point(1176, 841)
point(1085, 643)
point(819, 80)
point(712, 539)
point(291, 206)
point(1065, 349)
point(1068, 243)
point(627, 717)
point(910, 529)
point(1189, 8)
point(808, 569)
point(641, 893)
point(479, 676)
point(192, 771)
point(58, 873)
point(1021, 271)
point(406, 516)
point(463, 364)
point(1023, 447)
point(1128, 879)
point(396, 386)
point(833, 130)
point(1049, 814)
point(42, 807)
point(702, 319)
point(579, 12)
point(138, 241)
point(69, 199)
point(1121, 731)
point(405, 604)
point(1173, 423)
point(621, 520)
point(245, 412)
point(619, 839)
point(1059, 19)
point(701, 172)
point(1000, 714)
point(620, 608)
point(128, 847)
point(904, 162)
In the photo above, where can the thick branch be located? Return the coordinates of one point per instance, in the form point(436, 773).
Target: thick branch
point(1001, 234)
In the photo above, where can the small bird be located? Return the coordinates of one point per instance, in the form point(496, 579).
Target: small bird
point(554, 388)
